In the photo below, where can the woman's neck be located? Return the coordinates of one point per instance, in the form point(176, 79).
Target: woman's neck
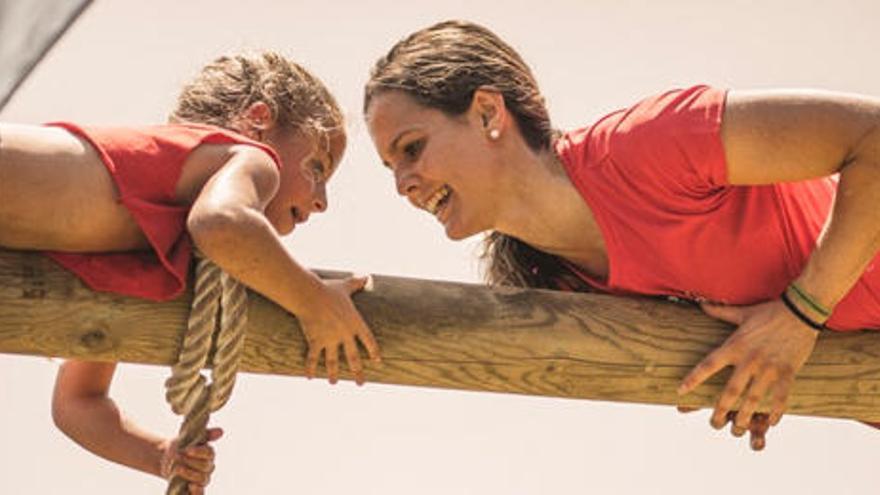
point(543, 208)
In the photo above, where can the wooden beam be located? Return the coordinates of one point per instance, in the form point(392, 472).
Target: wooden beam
point(443, 334)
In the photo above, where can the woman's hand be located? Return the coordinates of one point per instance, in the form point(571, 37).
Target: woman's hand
point(767, 349)
point(758, 427)
point(194, 464)
point(337, 322)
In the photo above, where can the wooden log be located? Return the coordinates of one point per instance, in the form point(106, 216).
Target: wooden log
point(443, 334)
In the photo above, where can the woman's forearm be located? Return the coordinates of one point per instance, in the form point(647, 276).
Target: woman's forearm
point(852, 238)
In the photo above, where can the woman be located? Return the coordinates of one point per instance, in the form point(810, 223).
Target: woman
point(722, 197)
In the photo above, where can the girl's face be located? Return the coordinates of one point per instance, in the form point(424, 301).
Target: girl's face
point(442, 164)
point(307, 166)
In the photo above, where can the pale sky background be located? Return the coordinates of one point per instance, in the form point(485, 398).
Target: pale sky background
point(123, 63)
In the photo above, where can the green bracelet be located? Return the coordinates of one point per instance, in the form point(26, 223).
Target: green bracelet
point(812, 303)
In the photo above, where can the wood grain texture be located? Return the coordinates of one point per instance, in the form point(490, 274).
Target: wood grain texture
point(447, 335)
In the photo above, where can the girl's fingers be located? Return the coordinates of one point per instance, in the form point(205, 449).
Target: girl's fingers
point(201, 452)
point(312, 361)
point(331, 358)
point(214, 434)
point(192, 475)
point(352, 356)
point(369, 341)
point(355, 284)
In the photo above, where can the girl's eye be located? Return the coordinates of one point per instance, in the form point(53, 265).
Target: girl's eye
point(318, 170)
point(413, 148)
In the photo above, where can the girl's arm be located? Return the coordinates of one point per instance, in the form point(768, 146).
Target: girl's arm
point(83, 410)
point(228, 224)
point(790, 136)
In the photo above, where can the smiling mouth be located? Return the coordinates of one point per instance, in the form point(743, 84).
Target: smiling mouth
point(435, 203)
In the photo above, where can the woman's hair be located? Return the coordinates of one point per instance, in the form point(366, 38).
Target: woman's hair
point(441, 67)
point(229, 85)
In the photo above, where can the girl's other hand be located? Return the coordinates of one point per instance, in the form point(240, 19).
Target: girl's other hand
point(194, 464)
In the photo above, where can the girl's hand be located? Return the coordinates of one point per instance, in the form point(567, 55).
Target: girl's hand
point(194, 464)
point(337, 322)
point(767, 350)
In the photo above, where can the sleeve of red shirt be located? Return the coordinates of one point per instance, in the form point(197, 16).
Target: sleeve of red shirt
point(671, 143)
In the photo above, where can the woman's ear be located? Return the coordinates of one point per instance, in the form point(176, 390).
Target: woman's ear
point(488, 108)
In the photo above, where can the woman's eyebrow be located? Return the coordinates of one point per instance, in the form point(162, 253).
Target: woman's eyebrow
point(396, 141)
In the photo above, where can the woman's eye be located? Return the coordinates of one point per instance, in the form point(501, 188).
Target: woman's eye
point(412, 149)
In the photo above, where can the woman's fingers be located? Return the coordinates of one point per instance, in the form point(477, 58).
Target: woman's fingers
point(758, 430)
point(711, 364)
point(730, 314)
point(780, 397)
point(755, 395)
point(729, 397)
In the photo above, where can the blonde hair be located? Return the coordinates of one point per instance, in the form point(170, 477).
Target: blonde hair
point(229, 85)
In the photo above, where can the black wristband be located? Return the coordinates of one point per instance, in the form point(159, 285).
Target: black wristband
point(800, 315)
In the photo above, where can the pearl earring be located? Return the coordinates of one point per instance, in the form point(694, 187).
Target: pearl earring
point(494, 134)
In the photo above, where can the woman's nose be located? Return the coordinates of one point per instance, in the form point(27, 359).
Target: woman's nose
point(406, 184)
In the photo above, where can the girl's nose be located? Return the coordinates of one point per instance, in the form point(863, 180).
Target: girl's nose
point(320, 200)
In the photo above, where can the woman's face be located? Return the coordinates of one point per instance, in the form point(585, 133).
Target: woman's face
point(442, 164)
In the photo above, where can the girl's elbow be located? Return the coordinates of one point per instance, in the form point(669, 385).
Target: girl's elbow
point(209, 229)
point(61, 413)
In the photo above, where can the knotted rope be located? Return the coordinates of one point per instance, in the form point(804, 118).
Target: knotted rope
point(217, 319)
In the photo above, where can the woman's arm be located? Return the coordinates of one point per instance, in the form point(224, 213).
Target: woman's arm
point(83, 410)
point(773, 137)
point(228, 225)
point(789, 136)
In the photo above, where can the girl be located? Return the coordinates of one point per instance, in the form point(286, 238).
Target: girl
point(252, 144)
point(716, 196)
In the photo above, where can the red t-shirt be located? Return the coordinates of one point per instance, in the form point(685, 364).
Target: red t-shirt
point(145, 164)
point(655, 177)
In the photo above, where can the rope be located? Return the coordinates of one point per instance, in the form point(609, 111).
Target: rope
point(218, 316)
